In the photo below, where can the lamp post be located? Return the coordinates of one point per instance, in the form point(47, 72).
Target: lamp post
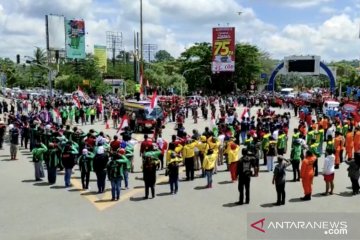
point(32, 62)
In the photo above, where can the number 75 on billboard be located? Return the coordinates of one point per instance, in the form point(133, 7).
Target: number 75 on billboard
point(223, 49)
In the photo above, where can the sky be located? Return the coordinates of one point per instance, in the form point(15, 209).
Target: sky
point(328, 28)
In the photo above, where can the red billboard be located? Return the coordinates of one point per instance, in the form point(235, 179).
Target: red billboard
point(223, 49)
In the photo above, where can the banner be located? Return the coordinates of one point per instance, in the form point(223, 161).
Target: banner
point(223, 49)
point(75, 39)
point(100, 55)
point(55, 32)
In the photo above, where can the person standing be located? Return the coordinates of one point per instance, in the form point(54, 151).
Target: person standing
point(38, 158)
point(338, 144)
point(354, 173)
point(85, 162)
point(295, 156)
point(149, 175)
point(188, 154)
point(329, 172)
point(307, 174)
point(68, 160)
point(244, 173)
point(2, 133)
point(233, 159)
point(349, 143)
point(52, 162)
point(208, 165)
point(115, 174)
point(101, 160)
point(173, 172)
point(271, 153)
point(265, 145)
point(14, 140)
point(279, 179)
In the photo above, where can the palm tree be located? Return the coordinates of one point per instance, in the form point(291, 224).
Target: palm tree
point(40, 56)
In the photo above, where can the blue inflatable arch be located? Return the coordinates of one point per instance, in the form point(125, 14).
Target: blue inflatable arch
point(327, 70)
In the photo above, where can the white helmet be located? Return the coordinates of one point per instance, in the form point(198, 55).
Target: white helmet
point(11, 126)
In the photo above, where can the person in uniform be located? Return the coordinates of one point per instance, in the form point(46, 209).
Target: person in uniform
point(85, 162)
point(38, 159)
point(307, 174)
point(68, 160)
point(149, 175)
point(329, 172)
point(349, 143)
point(52, 162)
point(209, 165)
point(279, 179)
point(173, 172)
point(244, 175)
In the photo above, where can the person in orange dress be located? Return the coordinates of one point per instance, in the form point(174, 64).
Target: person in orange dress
point(338, 144)
point(349, 144)
point(357, 139)
point(307, 174)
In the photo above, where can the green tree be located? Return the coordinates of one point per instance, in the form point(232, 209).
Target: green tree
point(40, 56)
point(163, 56)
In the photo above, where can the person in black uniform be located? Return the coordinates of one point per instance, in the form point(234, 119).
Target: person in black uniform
point(149, 174)
point(101, 160)
point(244, 175)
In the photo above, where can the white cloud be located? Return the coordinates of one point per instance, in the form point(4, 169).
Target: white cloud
point(302, 3)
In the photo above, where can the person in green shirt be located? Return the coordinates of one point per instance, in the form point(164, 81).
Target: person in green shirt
point(85, 162)
point(314, 150)
point(92, 114)
point(38, 159)
point(115, 170)
point(281, 143)
point(265, 145)
point(87, 113)
point(71, 114)
point(295, 159)
point(64, 115)
point(122, 156)
point(310, 136)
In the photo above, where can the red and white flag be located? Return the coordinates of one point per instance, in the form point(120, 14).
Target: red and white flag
point(56, 113)
point(245, 113)
point(153, 102)
point(99, 102)
point(124, 123)
point(76, 101)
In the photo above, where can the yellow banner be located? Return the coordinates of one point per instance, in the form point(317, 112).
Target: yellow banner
point(101, 56)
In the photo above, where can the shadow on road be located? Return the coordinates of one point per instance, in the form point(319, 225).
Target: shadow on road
point(162, 183)
point(139, 187)
point(164, 194)
point(345, 194)
point(293, 200)
point(7, 160)
point(225, 182)
point(137, 199)
point(229, 205)
point(89, 193)
point(200, 187)
point(319, 195)
point(76, 190)
point(268, 205)
point(4, 155)
point(29, 181)
point(58, 187)
point(104, 201)
point(41, 184)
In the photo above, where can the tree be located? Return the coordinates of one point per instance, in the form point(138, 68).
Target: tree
point(40, 56)
point(163, 56)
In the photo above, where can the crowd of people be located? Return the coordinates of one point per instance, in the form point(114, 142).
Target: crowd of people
point(51, 131)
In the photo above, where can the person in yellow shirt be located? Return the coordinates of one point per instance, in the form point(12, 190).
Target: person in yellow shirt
point(233, 158)
point(209, 166)
point(188, 153)
point(173, 172)
point(203, 147)
point(214, 144)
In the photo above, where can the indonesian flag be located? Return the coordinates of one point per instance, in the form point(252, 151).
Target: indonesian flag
point(76, 101)
point(245, 113)
point(56, 113)
point(124, 123)
point(154, 101)
point(236, 103)
point(99, 102)
point(80, 92)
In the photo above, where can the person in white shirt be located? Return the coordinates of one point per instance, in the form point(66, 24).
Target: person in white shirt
point(331, 131)
point(329, 172)
point(275, 134)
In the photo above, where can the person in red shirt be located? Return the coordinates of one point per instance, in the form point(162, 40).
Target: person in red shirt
point(146, 145)
point(90, 141)
point(115, 144)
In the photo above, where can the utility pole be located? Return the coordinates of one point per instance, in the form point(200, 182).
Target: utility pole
point(141, 31)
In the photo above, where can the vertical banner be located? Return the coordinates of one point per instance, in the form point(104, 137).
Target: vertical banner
point(223, 49)
point(55, 32)
point(75, 39)
point(100, 55)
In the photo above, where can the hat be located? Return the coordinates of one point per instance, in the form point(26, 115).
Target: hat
point(121, 151)
point(233, 146)
point(203, 138)
point(11, 126)
point(85, 151)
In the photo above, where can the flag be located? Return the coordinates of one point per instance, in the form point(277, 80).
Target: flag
point(153, 102)
point(56, 113)
point(245, 113)
point(99, 102)
point(76, 101)
point(124, 123)
point(236, 103)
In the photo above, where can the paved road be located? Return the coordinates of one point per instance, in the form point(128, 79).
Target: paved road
point(34, 210)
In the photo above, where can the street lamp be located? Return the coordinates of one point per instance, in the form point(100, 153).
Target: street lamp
point(32, 62)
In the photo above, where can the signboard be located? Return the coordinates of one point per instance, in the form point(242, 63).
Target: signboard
point(223, 49)
point(101, 57)
point(263, 76)
point(75, 39)
point(55, 32)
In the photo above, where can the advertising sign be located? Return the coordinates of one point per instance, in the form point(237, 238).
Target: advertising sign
point(101, 57)
point(75, 39)
point(55, 32)
point(223, 49)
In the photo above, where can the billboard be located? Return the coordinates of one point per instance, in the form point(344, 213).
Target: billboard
point(75, 39)
point(55, 32)
point(223, 49)
point(100, 54)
